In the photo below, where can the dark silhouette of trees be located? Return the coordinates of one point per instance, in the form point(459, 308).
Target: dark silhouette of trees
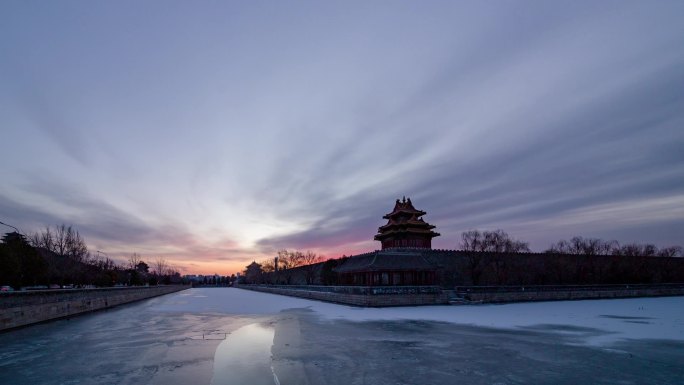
point(134, 260)
point(289, 260)
point(65, 253)
point(20, 263)
point(160, 266)
point(137, 270)
point(635, 249)
point(497, 241)
point(596, 246)
point(309, 261)
point(292, 266)
point(672, 251)
point(493, 258)
point(584, 246)
point(60, 256)
point(476, 243)
point(268, 265)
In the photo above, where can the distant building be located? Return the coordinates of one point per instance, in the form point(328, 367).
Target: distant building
point(405, 228)
point(401, 261)
point(253, 273)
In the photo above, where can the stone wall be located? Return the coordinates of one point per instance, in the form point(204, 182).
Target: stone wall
point(456, 268)
point(24, 308)
point(382, 296)
point(561, 293)
point(360, 295)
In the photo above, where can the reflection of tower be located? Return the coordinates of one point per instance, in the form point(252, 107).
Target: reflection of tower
point(405, 228)
point(275, 264)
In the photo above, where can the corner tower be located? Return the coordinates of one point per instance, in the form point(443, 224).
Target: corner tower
point(405, 228)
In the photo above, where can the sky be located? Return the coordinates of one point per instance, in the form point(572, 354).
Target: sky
point(214, 133)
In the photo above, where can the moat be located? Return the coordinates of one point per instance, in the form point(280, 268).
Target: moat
point(231, 336)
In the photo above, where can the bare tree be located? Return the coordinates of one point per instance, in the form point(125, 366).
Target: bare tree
point(497, 241)
point(75, 246)
point(672, 251)
point(289, 259)
point(596, 246)
point(268, 265)
point(310, 258)
point(472, 240)
point(309, 262)
point(60, 243)
point(160, 266)
point(133, 261)
point(584, 246)
point(67, 252)
point(63, 241)
point(636, 250)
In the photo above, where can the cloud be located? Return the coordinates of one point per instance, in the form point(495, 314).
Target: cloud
point(285, 130)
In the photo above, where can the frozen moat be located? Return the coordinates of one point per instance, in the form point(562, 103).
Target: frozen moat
point(244, 357)
point(232, 336)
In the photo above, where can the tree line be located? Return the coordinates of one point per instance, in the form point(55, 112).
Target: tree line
point(498, 241)
point(267, 271)
point(496, 258)
point(59, 257)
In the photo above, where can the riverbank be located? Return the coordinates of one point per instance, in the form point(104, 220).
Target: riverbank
point(365, 296)
point(510, 294)
point(388, 296)
point(18, 309)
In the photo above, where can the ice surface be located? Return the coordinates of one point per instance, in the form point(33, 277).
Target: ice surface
point(244, 357)
point(634, 318)
point(228, 336)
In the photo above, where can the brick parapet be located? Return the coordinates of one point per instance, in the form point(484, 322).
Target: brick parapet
point(561, 295)
point(365, 300)
point(19, 309)
point(376, 298)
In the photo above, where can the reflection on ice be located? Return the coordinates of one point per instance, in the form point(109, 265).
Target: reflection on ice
point(244, 357)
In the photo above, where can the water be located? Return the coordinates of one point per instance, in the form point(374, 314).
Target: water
point(244, 357)
point(136, 344)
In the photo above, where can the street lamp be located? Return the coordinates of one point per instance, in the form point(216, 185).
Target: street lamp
point(16, 229)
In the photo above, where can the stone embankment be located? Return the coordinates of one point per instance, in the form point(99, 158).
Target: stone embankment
point(19, 309)
point(380, 296)
point(504, 294)
point(383, 296)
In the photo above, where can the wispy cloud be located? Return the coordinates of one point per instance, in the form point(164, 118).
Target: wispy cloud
point(220, 134)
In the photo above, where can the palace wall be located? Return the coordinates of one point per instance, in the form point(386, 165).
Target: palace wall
point(28, 307)
point(387, 296)
point(360, 296)
point(506, 294)
point(460, 268)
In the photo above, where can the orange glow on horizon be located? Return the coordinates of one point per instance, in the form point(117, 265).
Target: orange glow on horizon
point(207, 266)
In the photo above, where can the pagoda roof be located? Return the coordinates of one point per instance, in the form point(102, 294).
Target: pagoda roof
point(404, 206)
point(386, 234)
point(405, 220)
point(386, 261)
point(407, 224)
